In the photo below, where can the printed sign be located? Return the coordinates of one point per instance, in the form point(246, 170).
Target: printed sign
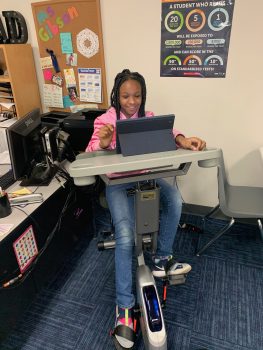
point(25, 248)
point(195, 38)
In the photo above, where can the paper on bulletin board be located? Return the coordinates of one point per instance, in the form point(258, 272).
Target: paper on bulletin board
point(47, 74)
point(66, 43)
point(69, 77)
point(53, 96)
point(90, 85)
point(72, 59)
point(67, 101)
point(77, 108)
point(46, 62)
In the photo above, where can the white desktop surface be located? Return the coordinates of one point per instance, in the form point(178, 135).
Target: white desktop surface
point(112, 163)
point(4, 168)
point(17, 215)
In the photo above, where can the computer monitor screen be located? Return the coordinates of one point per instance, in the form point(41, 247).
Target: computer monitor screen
point(27, 151)
point(145, 135)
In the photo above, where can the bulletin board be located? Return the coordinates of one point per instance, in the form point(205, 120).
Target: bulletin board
point(70, 41)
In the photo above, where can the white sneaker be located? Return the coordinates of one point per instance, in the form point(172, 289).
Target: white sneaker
point(167, 266)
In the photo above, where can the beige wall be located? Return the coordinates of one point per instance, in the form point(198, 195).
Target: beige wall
point(225, 112)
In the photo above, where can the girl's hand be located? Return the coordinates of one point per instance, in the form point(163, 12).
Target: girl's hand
point(192, 143)
point(105, 135)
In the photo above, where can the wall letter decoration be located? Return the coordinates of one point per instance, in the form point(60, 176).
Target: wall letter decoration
point(3, 37)
point(16, 27)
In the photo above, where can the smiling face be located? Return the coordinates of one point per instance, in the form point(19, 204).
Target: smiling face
point(130, 97)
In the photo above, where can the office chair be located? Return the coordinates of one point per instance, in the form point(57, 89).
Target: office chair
point(235, 202)
point(95, 189)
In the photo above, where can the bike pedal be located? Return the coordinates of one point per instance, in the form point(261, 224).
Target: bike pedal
point(177, 279)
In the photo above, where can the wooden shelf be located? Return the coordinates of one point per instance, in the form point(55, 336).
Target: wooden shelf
point(4, 79)
point(19, 62)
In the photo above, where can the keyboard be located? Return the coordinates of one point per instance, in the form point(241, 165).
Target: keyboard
point(7, 179)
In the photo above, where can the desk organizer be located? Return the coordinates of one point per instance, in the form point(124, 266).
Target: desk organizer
point(5, 208)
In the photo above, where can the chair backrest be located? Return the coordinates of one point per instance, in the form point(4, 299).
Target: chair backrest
point(223, 187)
point(236, 201)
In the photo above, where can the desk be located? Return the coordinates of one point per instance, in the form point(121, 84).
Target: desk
point(43, 217)
point(160, 164)
point(4, 168)
point(17, 216)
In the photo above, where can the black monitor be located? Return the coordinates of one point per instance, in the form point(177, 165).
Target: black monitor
point(27, 151)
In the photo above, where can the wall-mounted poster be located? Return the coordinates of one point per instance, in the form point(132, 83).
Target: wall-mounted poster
point(195, 38)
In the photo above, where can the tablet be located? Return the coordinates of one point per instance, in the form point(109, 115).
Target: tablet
point(145, 135)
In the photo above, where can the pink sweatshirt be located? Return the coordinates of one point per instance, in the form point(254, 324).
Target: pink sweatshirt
point(110, 117)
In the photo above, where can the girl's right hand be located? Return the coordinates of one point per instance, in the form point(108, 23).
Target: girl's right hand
point(105, 135)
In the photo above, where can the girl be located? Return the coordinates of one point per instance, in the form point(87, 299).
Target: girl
point(128, 99)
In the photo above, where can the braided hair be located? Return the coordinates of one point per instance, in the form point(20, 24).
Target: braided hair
point(120, 78)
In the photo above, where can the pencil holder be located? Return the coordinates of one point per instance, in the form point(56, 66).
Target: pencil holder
point(5, 208)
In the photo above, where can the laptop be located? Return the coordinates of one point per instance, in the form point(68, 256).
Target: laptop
point(145, 135)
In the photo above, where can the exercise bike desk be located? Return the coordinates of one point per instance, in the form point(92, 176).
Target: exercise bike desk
point(158, 165)
point(161, 164)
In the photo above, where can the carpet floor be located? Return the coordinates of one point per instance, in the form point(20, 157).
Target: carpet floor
point(220, 306)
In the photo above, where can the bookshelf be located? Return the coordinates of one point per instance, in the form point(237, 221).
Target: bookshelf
point(20, 84)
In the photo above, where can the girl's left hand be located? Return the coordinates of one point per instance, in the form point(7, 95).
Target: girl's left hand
point(193, 143)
